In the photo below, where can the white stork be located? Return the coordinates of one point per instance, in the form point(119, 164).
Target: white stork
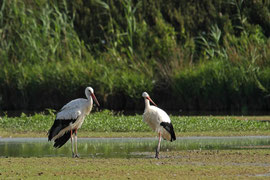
point(159, 121)
point(69, 119)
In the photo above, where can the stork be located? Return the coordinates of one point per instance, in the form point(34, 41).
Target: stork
point(158, 120)
point(69, 119)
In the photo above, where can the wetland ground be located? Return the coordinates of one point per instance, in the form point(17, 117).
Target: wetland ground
point(243, 163)
point(191, 164)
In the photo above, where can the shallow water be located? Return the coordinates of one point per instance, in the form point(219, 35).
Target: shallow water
point(125, 147)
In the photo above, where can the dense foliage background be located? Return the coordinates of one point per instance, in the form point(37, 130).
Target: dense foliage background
point(188, 55)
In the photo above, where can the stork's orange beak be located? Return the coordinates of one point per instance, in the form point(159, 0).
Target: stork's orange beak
point(151, 101)
point(95, 99)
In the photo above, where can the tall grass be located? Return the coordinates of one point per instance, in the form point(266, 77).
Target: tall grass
point(211, 45)
point(222, 86)
point(37, 35)
point(43, 59)
point(214, 59)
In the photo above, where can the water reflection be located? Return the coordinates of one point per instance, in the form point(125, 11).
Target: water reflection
point(124, 147)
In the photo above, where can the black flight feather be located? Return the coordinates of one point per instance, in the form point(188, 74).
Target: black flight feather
point(59, 142)
point(169, 128)
point(57, 126)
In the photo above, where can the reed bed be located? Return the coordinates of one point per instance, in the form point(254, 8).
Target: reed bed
point(216, 59)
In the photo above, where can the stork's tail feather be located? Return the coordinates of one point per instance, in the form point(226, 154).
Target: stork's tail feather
point(169, 128)
point(59, 142)
point(57, 126)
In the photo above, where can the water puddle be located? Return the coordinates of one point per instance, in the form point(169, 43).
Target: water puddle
point(264, 175)
point(125, 147)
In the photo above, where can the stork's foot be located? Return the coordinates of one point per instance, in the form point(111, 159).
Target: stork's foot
point(157, 154)
point(75, 155)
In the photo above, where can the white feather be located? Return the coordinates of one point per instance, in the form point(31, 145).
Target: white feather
point(153, 116)
point(72, 110)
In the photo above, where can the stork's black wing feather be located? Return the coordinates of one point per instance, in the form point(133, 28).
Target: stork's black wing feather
point(59, 142)
point(169, 128)
point(57, 126)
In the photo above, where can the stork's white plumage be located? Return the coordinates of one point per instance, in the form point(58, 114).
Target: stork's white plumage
point(158, 120)
point(70, 118)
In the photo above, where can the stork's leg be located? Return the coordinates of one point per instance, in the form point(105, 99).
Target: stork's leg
point(76, 145)
point(158, 147)
point(72, 146)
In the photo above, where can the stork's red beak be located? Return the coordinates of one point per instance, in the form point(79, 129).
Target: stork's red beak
point(151, 101)
point(95, 99)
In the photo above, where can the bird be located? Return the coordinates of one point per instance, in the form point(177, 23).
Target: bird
point(69, 119)
point(158, 120)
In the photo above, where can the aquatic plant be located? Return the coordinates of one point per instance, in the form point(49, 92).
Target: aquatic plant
point(107, 121)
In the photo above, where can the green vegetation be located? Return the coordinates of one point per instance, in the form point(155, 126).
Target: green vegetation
point(228, 164)
point(105, 124)
point(201, 55)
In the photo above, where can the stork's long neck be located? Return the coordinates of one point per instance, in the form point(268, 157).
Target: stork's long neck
point(89, 99)
point(90, 104)
point(147, 103)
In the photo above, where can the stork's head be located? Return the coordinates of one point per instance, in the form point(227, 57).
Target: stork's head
point(90, 89)
point(145, 95)
point(89, 92)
